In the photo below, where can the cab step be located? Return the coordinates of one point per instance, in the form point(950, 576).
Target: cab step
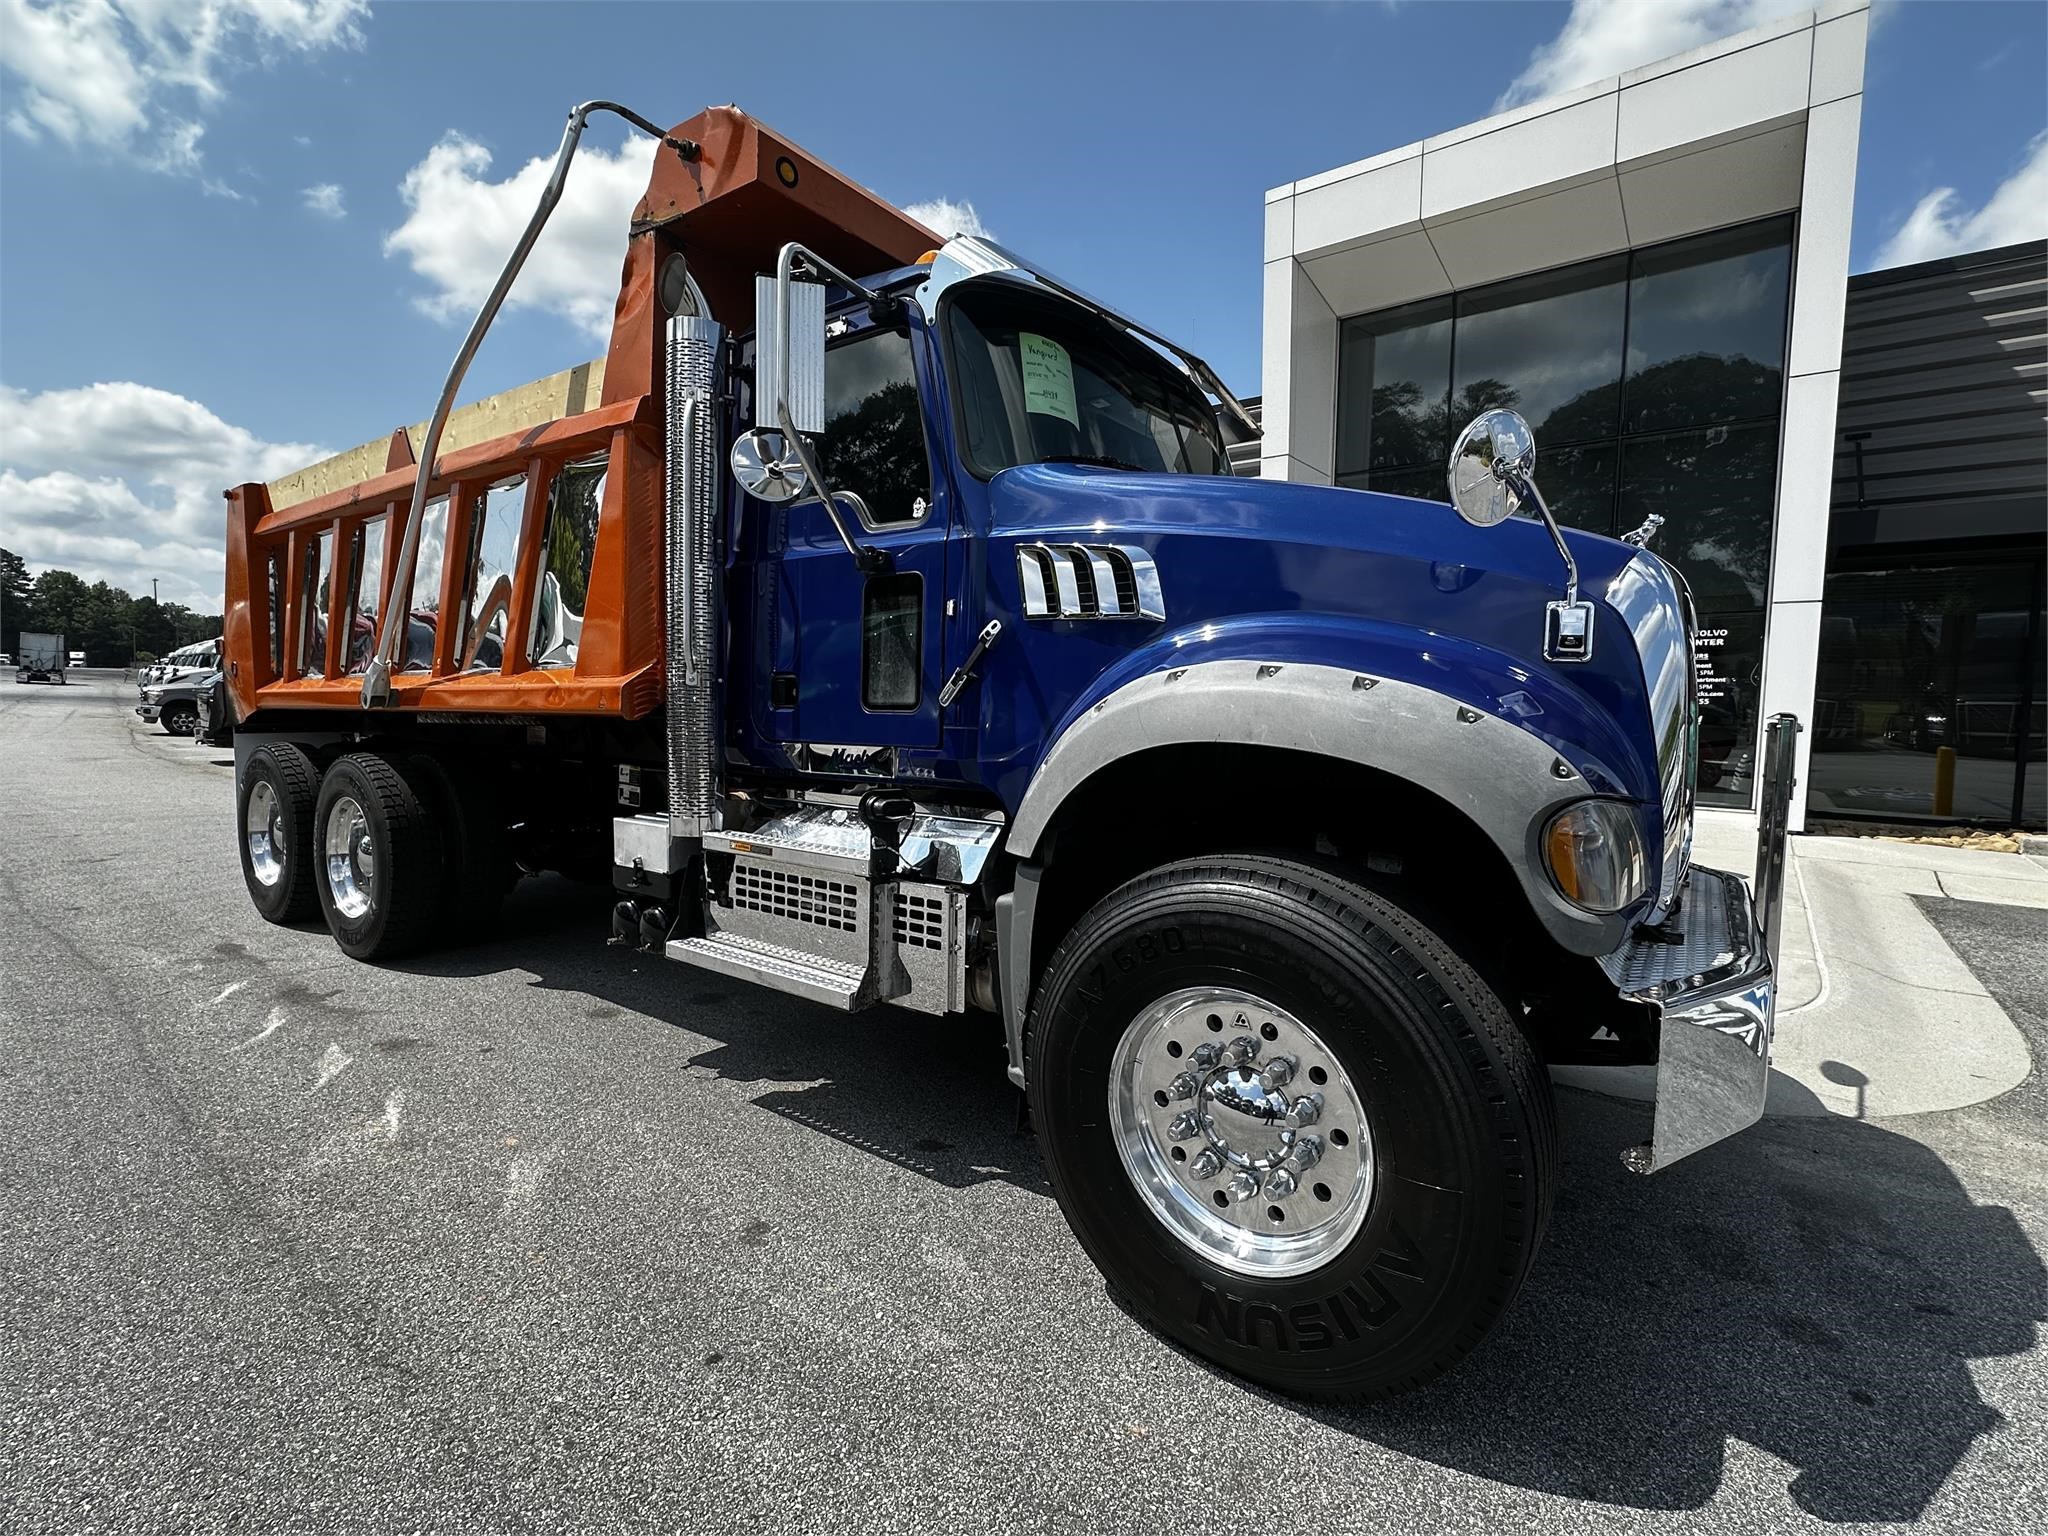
point(777, 966)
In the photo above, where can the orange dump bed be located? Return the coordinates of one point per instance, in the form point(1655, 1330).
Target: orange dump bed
point(297, 621)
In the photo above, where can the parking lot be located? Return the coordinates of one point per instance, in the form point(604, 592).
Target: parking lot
point(541, 1234)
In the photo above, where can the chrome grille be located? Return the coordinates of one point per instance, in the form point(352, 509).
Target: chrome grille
point(1652, 600)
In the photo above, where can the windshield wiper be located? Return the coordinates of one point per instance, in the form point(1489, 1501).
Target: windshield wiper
point(1100, 461)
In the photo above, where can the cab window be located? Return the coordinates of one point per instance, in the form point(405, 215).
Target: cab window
point(873, 442)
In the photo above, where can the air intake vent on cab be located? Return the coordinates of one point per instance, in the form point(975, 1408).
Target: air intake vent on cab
point(1088, 581)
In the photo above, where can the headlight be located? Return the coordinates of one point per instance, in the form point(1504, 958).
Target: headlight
point(151, 695)
point(1596, 855)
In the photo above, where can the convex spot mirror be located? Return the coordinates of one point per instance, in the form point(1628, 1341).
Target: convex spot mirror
point(1492, 462)
point(766, 468)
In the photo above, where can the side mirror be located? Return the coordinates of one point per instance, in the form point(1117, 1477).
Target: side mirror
point(765, 468)
point(789, 369)
point(1492, 473)
point(1491, 467)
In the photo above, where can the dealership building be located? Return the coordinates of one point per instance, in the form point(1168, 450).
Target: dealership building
point(1654, 270)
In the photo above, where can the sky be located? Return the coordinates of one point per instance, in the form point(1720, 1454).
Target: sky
point(237, 235)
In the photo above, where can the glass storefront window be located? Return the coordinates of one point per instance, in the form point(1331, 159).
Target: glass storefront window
point(1549, 346)
point(1706, 329)
point(1920, 663)
point(1394, 373)
point(1653, 381)
point(1714, 489)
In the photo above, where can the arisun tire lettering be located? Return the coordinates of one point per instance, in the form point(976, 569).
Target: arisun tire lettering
point(1403, 1047)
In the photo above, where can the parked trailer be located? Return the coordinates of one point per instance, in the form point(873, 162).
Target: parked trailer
point(41, 660)
point(901, 637)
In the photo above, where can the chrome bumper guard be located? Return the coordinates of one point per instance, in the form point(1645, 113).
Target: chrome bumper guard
point(1715, 992)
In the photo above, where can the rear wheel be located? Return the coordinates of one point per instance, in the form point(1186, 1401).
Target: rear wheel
point(275, 814)
point(1295, 1131)
point(380, 858)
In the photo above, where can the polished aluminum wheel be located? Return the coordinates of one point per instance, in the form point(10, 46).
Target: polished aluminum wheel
point(1241, 1131)
point(263, 826)
point(351, 862)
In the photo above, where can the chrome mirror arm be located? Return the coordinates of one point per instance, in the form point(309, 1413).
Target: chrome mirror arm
point(1523, 488)
point(377, 676)
point(867, 558)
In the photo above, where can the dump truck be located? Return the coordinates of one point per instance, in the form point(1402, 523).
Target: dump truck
point(890, 630)
point(41, 660)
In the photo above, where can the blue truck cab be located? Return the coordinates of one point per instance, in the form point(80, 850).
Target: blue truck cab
point(1281, 837)
point(1032, 706)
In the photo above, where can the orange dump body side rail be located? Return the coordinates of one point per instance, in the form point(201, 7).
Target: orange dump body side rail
point(290, 645)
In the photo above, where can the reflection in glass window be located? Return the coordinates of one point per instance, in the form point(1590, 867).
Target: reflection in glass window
point(1714, 490)
point(891, 655)
point(1394, 383)
point(313, 606)
point(873, 443)
point(1040, 383)
point(1578, 485)
point(275, 592)
point(493, 559)
point(1914, 658)
point(575, 498)
point(1549, 346)
point(366, 588)
point(1706, 329)
point(1654, 382)
point(425, 606)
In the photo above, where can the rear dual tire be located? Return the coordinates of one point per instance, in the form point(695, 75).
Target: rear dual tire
point(380, 858)
point(1452, 1138)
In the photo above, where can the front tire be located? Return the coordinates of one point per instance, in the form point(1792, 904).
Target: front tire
point(380, 858)
point(1391, 1246)
point(179, 719)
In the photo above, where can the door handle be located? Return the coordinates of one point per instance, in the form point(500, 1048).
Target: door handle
point(963, 674)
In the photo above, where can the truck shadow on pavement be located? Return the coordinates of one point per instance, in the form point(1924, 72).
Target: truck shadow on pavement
point(1814, 1287)
point(926, 1094)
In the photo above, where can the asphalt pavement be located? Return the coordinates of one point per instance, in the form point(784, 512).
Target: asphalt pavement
point(544, 1235)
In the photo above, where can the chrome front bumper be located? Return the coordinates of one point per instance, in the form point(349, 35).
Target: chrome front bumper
point(1715, 991)
point(148, 712)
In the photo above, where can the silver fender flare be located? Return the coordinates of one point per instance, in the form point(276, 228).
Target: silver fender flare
point(1500, 776)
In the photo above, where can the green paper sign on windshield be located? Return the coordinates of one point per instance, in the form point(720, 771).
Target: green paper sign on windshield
point(1048, 378)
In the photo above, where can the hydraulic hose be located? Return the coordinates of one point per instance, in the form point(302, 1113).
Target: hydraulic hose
point(391, 637)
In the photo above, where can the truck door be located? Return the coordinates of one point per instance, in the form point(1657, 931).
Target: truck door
point(857, 653)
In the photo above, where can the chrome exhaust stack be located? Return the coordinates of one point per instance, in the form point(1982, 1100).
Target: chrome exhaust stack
point(651, 854)
point(694, 590)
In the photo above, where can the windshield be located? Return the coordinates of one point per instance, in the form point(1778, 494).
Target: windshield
point(1040, 381)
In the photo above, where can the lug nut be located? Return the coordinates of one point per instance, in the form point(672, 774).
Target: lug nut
point(1277, 1073)
point(1207, 1164)
point(1306, 1152)
point(1184, 1126)
point(1281, 1183)
point(1244, 1185)
point(1244, 1050)
point(1207, 1054)
point(1306, 1110)
point(1184, 1086)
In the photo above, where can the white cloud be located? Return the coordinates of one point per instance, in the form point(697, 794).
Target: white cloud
point(949, 218)
point(461, 225)
point(325, 200)
point(121, 482)
point(1601, 38)
point(1939, 226)
point(124, 77)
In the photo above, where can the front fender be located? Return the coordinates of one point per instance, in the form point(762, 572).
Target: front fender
point(1503, 745)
